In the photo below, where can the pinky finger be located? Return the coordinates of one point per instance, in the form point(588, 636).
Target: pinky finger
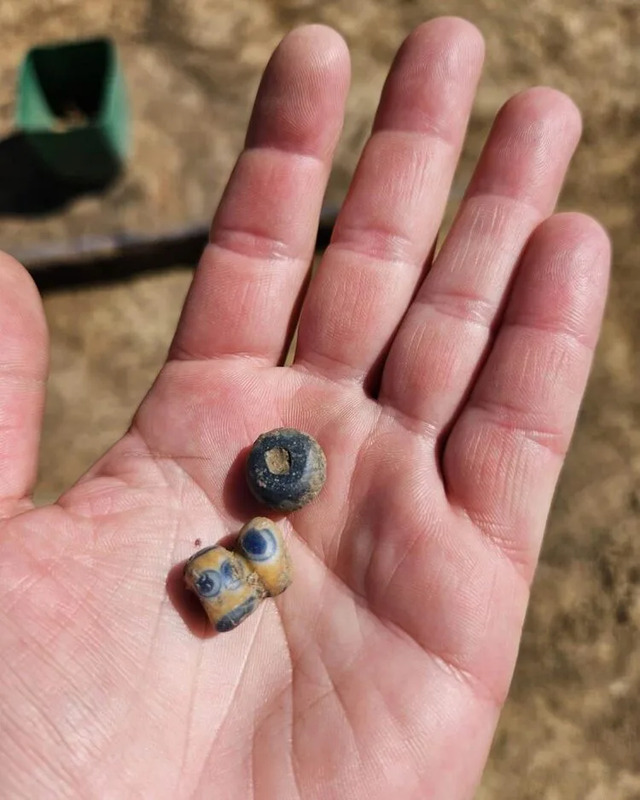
point(504, 454)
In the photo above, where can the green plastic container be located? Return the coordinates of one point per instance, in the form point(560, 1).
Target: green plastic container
point(72, 109)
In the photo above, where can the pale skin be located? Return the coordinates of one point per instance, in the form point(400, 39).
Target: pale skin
point(444, 393)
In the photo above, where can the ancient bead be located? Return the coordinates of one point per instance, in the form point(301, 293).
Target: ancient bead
point(230, 585)
point(262, 545)
point(225, 585)
point(286, 469)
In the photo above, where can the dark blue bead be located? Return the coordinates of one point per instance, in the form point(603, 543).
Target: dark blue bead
point(286, 469)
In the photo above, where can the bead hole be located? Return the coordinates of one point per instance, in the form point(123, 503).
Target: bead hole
point(278, 460)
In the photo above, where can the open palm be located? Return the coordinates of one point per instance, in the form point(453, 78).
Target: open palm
point(443, 393)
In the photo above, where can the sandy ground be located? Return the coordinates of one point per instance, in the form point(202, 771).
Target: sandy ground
point(571, 725)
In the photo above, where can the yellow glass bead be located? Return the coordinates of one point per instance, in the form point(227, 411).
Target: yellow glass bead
point(225, 585)
point(262, 545)
point(230, 585)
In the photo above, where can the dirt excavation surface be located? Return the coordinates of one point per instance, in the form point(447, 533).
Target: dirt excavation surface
point(571, 725)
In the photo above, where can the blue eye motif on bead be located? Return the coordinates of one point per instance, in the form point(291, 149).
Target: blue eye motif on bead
point(230, 575)
point(209, 583)
point(259, 544)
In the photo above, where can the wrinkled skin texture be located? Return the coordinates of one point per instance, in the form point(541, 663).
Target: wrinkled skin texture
point(443, 392)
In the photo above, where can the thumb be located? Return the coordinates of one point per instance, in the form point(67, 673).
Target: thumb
point(24, 356)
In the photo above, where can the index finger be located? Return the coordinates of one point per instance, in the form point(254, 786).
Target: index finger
point(246, 287)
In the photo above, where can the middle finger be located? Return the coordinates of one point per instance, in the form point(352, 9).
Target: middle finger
point(395, 203)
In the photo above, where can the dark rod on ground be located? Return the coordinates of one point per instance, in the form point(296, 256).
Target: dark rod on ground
point(105, 259)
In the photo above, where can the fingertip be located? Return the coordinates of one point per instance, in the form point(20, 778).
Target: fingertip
point(318, 52)
point(458, 43)
point(581, 230)
point(12, 272)
point(450, 26)
point(576, 245)
point(562, 281)
point(24, 361)
point(529, 149)
point(432, 82)
point(549, 114)
point(302, 94)
point(322, 58)
point(21, 310)
point(318, 39)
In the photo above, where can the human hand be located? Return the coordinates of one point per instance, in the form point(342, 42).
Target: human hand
point(444, 396)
